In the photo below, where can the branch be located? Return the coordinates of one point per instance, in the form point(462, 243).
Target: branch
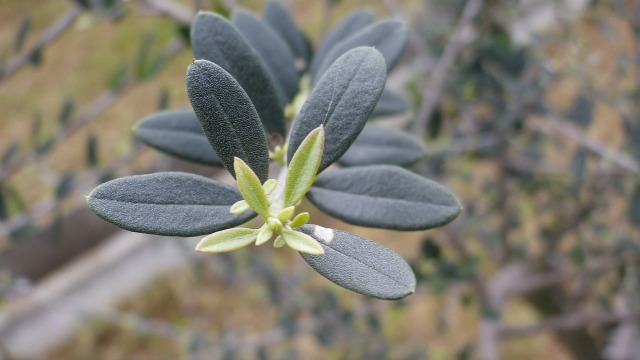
point(451, 51)
point(52, 33)
point(170, 9)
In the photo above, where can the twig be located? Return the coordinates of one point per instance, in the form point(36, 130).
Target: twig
point(568, 322)
point(451, 51)
point(170, 9)
point(51, 34)
point(618, 158)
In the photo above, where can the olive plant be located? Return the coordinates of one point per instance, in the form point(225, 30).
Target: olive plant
point(249, 78)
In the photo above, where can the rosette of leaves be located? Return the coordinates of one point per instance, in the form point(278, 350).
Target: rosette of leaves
point(238, 122)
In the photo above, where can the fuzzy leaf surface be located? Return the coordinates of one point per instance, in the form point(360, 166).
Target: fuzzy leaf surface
point(304, 167)
point(281, 21)
point(228, 118)
point(273, 51)
point(227, 240)
point(215, 39)
point(384, 196)
point(341, 101)
point(178, 133)
point(170, 203)
point(387, 36)
point(350, 24)
point(251, 188)
point(302, 242)
point(383, 146)
point(360, 265)
point(390, 103)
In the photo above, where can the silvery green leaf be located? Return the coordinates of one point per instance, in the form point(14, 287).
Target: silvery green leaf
point(251, 188)
point(304, 167)
point(177, 132)
point(351, 23)
point(359, 264)
point(341, 101)
point(387, 36)
point(383, 146)
point(227, 240)
point(273, 51)
point(227, 117)
point(390, 103)
point(302, 242)
point(384, 196)
point(215, 39)
point(170, 203)
point(279, 18)
point(264, 235)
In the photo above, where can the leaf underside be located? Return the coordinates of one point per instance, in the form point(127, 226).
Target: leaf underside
point(383, 146)
point(215, 39)
point(360, 265)
point(342, 102)
point(384, 196)
point(177, 132)
point(273, 51)
point(228, 117)
point(170, 203)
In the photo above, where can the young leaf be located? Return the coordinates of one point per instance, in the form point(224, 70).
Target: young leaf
point(269, 186)
point(227, 240)
point(304, 167)
point(388, 36)
point(383, 146)
point(286, 214)
point(351, 23)
point(302, 242)
point(178, 133)
point(360, 265)
point(273, 51)
point(239, 207)
point(278, 17)
point(341, 101)
point(228, 118)
point(384, 196)
point(299, 220)
point(390, 103)
point(215, 39)
point(251, 188)
point(172, 204)
point(264, 235)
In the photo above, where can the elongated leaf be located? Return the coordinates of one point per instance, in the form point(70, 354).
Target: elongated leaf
point(228, 118)
point(215, 39)
point(9, 152)
point(93, 156)
point(177, 132)
point(174, 204)
point(22, 33)
point(251, 188)
point(342, 101)
point(388, 36)
point(633, 214)
point(390, 103)
point(273, 51)
point(281, 21)
point(352, 23)
point(302, 242)
point(359, 264)
point(303, 167)
point(66, 111)
point(384, 196)
point(383, 146)
point(227, 240)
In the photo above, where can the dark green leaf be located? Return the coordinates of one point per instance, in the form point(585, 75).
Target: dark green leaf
point(280, 20)
point(10, 152)
point(273, 51)
point(4, 209)
point(228, 118)
point(379, 145)
point(352, 23)
point(390, 103)
point(142, 61)
point(22, 33)
point(163, 102)
point(384, 196)
point(634, 207)
point(35, 57)
point(117, 79)
point(173, 204)
point(178, 133)
point(215, 39)
point(342, 101)
point(388, 36)
point(359, 264)
point(65, 186)
point(92, 151)
point(582, 110)
point(66, 111)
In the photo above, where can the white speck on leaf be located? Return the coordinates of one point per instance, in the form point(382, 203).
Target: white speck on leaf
point(324, 234)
